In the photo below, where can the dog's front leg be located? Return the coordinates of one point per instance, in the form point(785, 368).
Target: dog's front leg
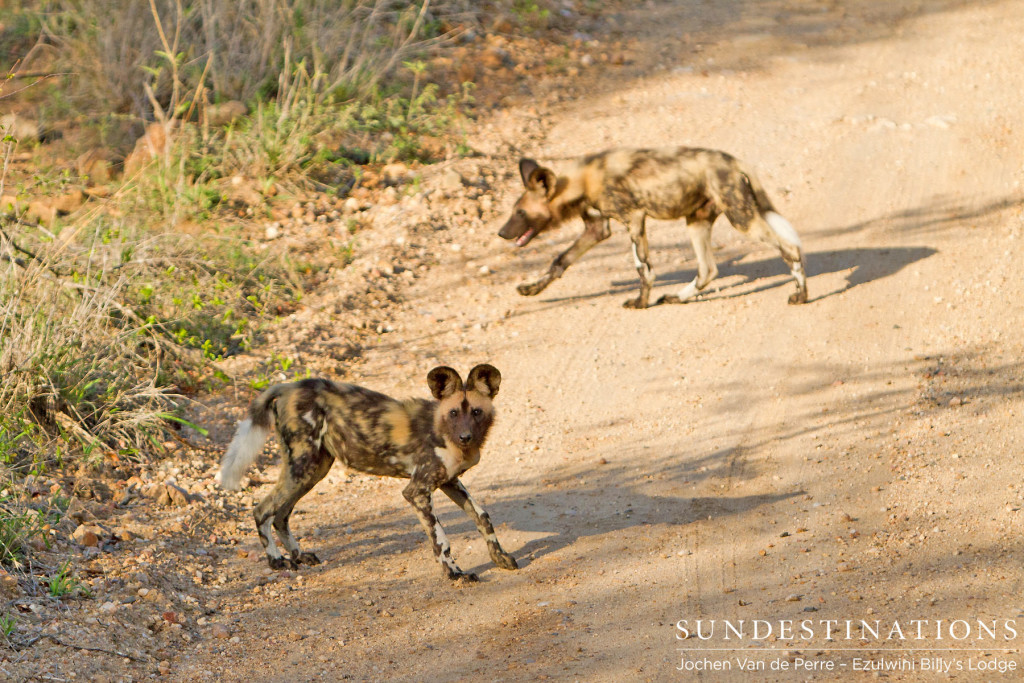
point(638, 233)
point(460, 496)
point(418, 495)
point(597, 230)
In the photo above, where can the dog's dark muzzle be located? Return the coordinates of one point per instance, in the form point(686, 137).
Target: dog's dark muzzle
point(518, 230)
point(465, 438)
point(513, 229)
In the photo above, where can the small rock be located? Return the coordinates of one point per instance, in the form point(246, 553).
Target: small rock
point(20, 128)
point(9, 204)
point(8, 585)
point(220, 631)
point(273, 231)
point(940, 122)
point(793, 597)
point(153, 144)
point(69, 201)
point(179, 496)
point(108, 607)
point(395, 173)
point(94, 166)
point(495, 58)
point(86, 536)
point(41, 212)
point(164, 667)
point(450, 182)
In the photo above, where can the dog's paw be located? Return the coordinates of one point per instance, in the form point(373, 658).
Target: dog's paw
point(505, 561)
point(468, 577)
point(799, 297)
point(308, 558)
point(669, 299)
point(638, 302)
point(530, 289)
point(282, 563)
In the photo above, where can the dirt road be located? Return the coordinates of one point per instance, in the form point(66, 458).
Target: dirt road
point(730, 459)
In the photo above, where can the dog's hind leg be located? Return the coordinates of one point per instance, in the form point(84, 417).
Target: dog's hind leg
point(302, 466)
point(788, 243)
point(707, 269)
point(775, 230)
point(641, 258)
point(596, 230)
point(306, 474)
point(418, 495)
point(460, 496)
point(761, 223)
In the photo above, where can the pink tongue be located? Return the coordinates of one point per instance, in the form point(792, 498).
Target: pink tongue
point(525, 238)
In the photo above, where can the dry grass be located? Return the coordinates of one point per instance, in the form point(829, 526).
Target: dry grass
point(243, 47)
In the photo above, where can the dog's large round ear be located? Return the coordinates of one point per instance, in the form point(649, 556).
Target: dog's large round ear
point(485, 379)
point(543, 178)
point(526, 169)
point(443, 382)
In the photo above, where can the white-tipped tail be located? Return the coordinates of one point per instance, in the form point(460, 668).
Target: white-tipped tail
point(242, 452)
point(781, 227)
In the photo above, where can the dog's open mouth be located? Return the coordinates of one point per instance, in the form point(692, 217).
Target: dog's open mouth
point(525, 238)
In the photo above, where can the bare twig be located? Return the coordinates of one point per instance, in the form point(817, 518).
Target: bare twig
point(26, 252)
point(114, 653)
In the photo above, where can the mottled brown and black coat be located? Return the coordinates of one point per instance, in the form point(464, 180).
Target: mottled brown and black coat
point(429, 442)
point(628, 185)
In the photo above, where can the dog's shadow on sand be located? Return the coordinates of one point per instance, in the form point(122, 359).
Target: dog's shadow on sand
point(864, 265)
point(572, 522)
point(560, 510)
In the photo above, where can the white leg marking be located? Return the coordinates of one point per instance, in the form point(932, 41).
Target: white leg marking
point(266, 529)
point(798, 273)
point(476, 508)
point(289, 542)
point(689, 291)
point(782, 228)
point(446, 549)
point(640, 265)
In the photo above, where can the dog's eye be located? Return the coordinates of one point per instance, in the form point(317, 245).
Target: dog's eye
point(453, 413)
point(477, 412)
point(520, 213)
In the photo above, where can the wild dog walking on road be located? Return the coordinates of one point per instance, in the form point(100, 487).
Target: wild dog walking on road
point(631, 184)
point(428, 442)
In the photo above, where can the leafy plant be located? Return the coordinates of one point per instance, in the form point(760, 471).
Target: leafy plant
point(8, 624)
point(63, 583)
point(17, 528)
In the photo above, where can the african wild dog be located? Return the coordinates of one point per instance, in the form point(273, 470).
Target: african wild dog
point(428, 442)
point(631, 184)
